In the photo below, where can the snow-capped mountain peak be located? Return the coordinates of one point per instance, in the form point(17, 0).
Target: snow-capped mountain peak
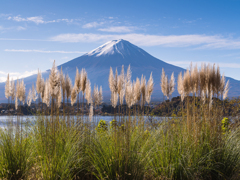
point(120, 46)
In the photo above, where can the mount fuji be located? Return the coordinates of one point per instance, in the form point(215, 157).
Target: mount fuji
point(115, 54)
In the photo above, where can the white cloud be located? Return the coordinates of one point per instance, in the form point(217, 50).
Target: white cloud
point(16, 75)
point(43, 51)
point(118, 29)
point(196, 40)
point(92, 25)
point(18, 28)
point(37, 19)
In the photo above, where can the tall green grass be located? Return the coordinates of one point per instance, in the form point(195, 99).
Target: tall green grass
point(197, 145)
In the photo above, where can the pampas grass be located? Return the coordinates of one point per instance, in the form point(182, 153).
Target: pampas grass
point(47, 94)
point(180, 86)
point(39, 82)
point(113, 85)
point(13, 91)
point(121, 86)
point(7, 88)
point(226, 89)
point(54, 81)
point(164, 82)
point(149, 89)
point(68, 86)
point(88, 92)
point(97, 96)
point(195, 146)
point(73, 95)
point(171, 85)
point(137, 90)
point(77, 84)
point(83, 80)
point(29, 97)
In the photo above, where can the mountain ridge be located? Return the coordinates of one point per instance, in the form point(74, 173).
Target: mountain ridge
point(115, 54)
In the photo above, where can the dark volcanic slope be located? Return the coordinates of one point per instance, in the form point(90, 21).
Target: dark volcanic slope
point(115, 54)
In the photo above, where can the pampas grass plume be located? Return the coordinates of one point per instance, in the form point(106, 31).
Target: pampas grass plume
point(63, 83)
point(47, 94)
point(137, 90)
point(54, 81)
point(13, 91)
point(111, 80)
point(38, 83)
point(187, 82)
point(180, 86)
point(73, 95)
point(171, 84)
point(83, 80)
point(34, 93)
point(59, 97)
point(77, 83)
point(29, 98)
point(149, 89)
point(163, 83)
point(7, 88)
point(222, 84)
point(68, 86)
point(88, 92)
point(226, 89)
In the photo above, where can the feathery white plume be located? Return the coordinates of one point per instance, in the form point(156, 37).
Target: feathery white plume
point(226, 89)
point(83, 80)
point(7, 88)
point(29, 98)
point(39, 82)
point(222, 84)
point(121, 86)
point(180, 86)
point(149, 89)
point(88, 92)
point(34, 93)
point(63, 83)
point(171, 84)
point(47, 94)
point(77, 83)
point(73, 95)
point(137, 90)
point(13, 91)
point(59, 98)
point(54, 81)
point(129, 94)
point(42, 89)
point(68, 86)
point(21, 92)
point(164, 83)
point(100, 96)
point(111, 80)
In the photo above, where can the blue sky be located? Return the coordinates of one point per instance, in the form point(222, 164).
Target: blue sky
point(34, 33)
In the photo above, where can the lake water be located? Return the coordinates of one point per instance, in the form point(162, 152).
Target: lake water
point(9, 120)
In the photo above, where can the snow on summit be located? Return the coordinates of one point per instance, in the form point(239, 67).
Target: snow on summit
point(120, 46)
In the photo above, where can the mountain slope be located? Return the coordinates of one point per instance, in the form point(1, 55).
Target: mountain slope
point(115, 54)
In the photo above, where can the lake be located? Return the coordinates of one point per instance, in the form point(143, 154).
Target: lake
point(8, 120)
